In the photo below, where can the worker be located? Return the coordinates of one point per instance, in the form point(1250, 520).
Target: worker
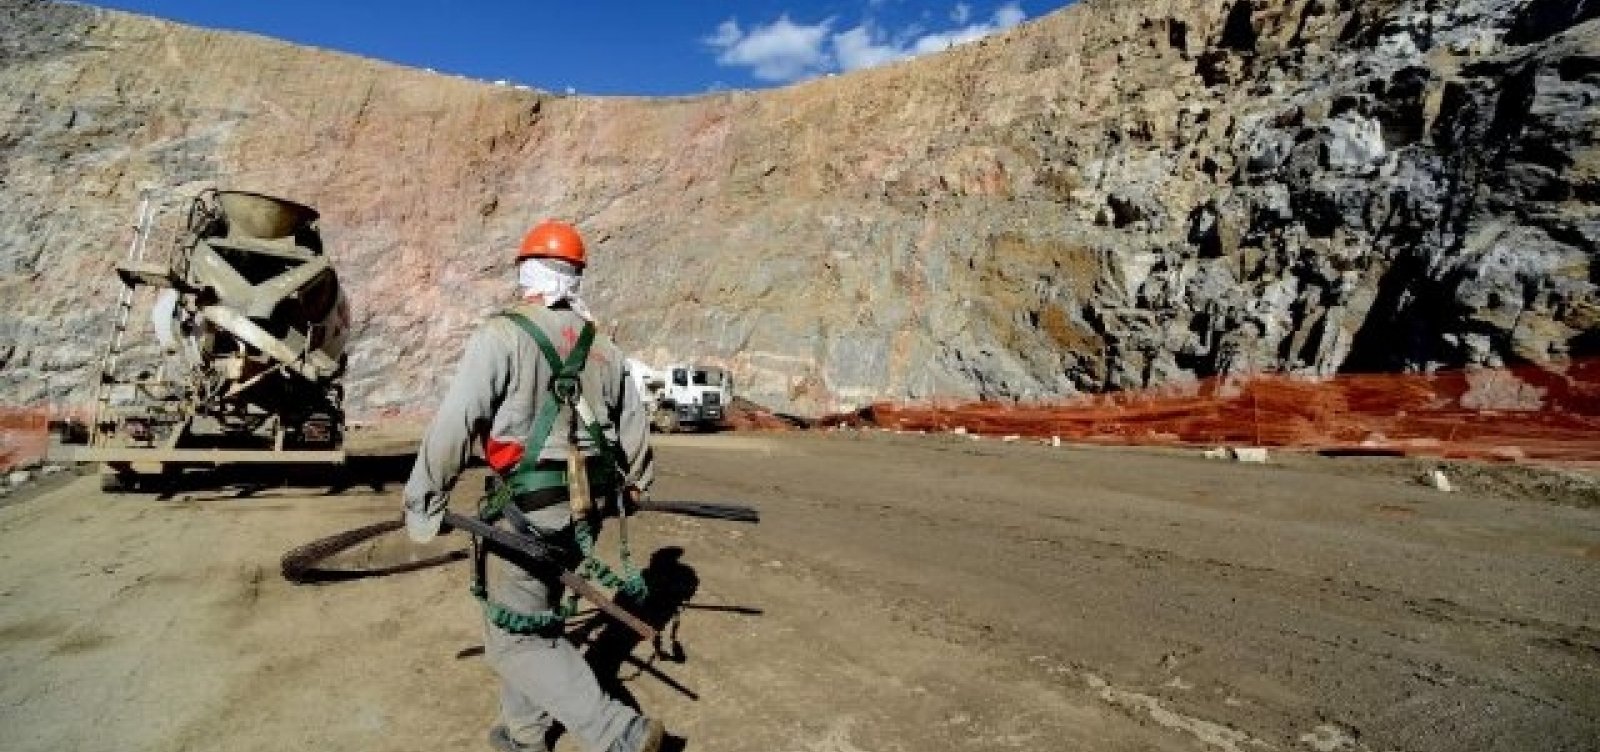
point(549, 417)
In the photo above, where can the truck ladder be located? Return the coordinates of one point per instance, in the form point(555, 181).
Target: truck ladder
point(108, 361)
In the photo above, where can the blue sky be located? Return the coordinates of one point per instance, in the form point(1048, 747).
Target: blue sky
point(595, 47)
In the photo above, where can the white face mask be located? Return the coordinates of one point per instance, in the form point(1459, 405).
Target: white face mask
point(552, 285)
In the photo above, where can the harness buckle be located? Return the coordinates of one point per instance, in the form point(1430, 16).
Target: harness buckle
point(566, 388)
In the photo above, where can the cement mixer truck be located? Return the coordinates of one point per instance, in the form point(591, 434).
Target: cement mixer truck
point(251, 325)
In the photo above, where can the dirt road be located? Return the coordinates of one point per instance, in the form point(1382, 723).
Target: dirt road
point(902, 593)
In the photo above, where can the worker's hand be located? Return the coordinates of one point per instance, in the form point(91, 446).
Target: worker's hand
point(631, 499)
point(421, 528)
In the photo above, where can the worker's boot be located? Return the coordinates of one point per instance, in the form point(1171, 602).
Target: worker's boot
point(643, 735)
point(500, 739)
point(655, 731)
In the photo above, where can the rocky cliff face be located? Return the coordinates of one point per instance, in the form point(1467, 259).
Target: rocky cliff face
point(1117, 195)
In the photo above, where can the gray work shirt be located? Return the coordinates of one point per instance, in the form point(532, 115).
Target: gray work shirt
point(500, 385)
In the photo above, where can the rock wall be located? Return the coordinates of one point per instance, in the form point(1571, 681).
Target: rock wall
point(1117, 195)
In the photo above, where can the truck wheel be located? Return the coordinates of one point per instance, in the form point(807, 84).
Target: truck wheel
point(118, 482)
point(666, 422)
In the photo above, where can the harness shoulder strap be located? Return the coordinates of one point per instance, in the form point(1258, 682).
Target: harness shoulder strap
point(573, 365)
point(564, 387)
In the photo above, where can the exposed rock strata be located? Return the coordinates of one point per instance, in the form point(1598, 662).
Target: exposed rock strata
point(1117, 195)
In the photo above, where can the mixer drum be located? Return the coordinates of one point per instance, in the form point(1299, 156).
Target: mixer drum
point(267, 283)
point(254, 215)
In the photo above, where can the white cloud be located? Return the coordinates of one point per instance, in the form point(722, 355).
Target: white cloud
point(855, 49)
point(1009, 15)
point(728, 34)
point(786, 51)
point(781, 51)
point(1005, 17)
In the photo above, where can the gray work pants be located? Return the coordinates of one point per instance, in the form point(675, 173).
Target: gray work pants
point(545, 679)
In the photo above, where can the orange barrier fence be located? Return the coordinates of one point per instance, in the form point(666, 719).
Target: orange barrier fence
point(1484, 414)
point(24, 437)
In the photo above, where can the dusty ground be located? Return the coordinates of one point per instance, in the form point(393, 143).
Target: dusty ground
point(902, 593)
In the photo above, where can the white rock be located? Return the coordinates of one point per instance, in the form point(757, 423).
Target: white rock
point(1136, 269)
point(1010, 438)
point(1328, 738)
point(1438, 480)
point(1356, 143)
point(959, 430)
point(1216, 453)
point(1055, 441)
point(52, 469)
point(1249, 454)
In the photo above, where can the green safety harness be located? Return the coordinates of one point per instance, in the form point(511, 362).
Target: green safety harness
point(565, 389)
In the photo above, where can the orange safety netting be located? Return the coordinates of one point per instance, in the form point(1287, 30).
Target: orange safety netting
point(24, 437)
point(1485, 414)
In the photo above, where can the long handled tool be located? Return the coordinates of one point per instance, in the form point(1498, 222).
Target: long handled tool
point(301, 564)
point(537, 551)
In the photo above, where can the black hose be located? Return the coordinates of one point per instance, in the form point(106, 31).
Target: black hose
point(726, 512)
point(301, 565)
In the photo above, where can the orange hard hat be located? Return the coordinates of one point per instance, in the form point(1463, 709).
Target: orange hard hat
point(553, 239)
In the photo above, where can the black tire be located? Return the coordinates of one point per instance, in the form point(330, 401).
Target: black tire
point(118, 482)
point(666, 421)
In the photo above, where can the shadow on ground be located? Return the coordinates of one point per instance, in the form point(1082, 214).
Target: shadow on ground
point(375, 473)
point(670, 584)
